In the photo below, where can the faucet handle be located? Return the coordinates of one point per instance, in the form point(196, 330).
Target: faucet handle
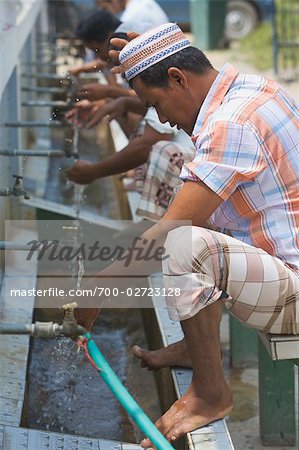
point(69, 311)
point(69, 326)
point(68, 306)
point(18, 177)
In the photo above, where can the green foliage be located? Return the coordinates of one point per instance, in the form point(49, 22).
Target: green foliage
point(258, 46)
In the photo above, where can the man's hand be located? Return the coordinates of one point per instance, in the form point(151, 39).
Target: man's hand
point(120, 44)
point(82, 172)
point(75, 71)
point(109, 111)
point(93, 66)
point(93, 91)
point(83, 111)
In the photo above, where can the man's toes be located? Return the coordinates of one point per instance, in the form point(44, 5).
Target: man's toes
point(145, 443)
point(141, 354)
point(176, 432)
point(137, 351)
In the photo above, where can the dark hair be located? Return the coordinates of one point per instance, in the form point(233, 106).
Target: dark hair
point(97, 26)
point(190, 59)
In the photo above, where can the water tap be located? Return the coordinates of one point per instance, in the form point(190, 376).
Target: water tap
point(18, 190)
point(69, 327)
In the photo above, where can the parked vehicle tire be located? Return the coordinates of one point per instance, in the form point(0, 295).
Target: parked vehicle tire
point(242, 17)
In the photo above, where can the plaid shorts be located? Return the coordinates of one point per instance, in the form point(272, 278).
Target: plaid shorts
point(261, 291)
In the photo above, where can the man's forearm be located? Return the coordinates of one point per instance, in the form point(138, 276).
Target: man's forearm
point(113, 91)
point(134, 105)
point(133, 155)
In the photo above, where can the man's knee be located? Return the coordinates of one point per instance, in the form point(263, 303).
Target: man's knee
point(181, 244)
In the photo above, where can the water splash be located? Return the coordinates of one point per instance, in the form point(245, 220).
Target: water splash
point(81, 271)
point(76, 137)
point(78, 199)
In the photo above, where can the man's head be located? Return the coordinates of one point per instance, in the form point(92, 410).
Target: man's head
point(169, 74)
point(113, 6)
point(96, 29)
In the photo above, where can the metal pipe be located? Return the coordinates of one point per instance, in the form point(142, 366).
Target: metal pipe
point(44, 90)
point(39, 64)
point(17, 190)
point(52, 76)
point(43, 329)
point(48, 153)
point(31, 124)
point(9, 245)
point(48, 104)
point(15, 328)
point(69, 326)
point(5, 192)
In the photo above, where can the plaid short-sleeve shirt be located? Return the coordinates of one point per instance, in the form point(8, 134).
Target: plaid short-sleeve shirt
point(247, 151)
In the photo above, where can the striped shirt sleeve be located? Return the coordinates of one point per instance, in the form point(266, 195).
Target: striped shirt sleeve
point(227, 155)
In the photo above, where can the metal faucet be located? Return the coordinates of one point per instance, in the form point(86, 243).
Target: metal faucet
point(17, 190)
point(69, 327)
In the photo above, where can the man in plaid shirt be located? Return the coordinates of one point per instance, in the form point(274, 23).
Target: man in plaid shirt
point(241, 194)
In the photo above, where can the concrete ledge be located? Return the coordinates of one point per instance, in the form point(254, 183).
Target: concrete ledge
point(15, 438)
point(281, 346)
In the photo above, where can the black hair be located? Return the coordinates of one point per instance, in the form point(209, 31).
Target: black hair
point(190, 59)
point(97, 26)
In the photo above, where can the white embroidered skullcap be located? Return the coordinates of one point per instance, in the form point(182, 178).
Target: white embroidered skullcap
point(150, 48)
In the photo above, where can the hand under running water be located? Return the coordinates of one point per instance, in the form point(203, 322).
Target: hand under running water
point(83, 112)
point(82, 172)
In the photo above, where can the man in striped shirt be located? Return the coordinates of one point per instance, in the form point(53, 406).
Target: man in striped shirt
point(241, 195)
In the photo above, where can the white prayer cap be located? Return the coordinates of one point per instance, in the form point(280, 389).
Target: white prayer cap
point(151, 47)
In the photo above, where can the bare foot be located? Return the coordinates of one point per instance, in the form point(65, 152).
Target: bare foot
point(192, 411)
point(173, 355)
